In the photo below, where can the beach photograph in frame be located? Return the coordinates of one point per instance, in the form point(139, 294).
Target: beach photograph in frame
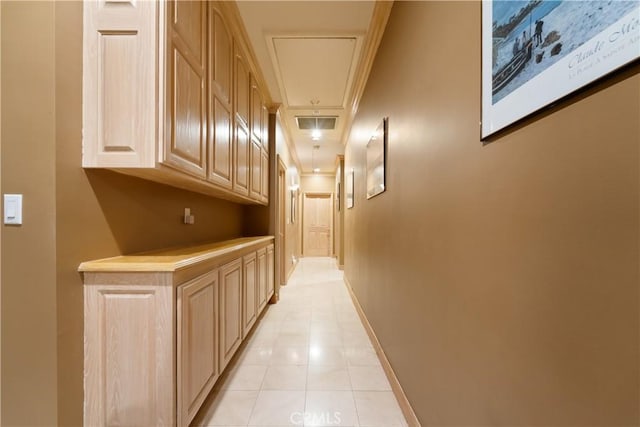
point(535, 52)
point(377, 160)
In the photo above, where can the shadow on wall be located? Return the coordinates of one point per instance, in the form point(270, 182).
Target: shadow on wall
point(144, 215)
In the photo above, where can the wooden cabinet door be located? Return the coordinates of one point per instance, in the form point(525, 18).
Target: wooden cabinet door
point(185, 147)
point(220, 56)
point(197, 344)
point(255, 189)
point(264, 192)
point(220, 134)
point(257, 104)
point(270, 272)
point(220, 145)
point(242, 85)
point(241, 160)
point(250, 293)
point(265, 128)
point(262, 279)
point(129, 334)
point(120, 78)
point(231, 300)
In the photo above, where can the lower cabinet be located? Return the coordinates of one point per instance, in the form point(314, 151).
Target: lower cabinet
point(271, 280)
point(197, 343)
point(158, 335)
point(250, 312)
point(262, 278)
point(230, 310)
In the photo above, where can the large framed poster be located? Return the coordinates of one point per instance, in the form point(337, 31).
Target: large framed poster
point(535, 52)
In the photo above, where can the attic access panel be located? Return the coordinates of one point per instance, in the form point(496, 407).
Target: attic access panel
point(315, 69)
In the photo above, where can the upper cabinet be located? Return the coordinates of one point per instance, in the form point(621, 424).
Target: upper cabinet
point(186, 147)
point(170, 95)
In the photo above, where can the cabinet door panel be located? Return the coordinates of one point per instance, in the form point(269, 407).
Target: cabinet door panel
point(255, 189)
point(270, 272)
point(256, 111)
point(119, 93)
point(242, 89)
point(127, 334)
point(265, 177)
point(186, 147)
point(230, 310)
point(220, 57)
point(249, 288)
point(262, 279)
point(265, 128)
point(197, 360)
point(189, 23)
point(241, 161)
point(221, 151)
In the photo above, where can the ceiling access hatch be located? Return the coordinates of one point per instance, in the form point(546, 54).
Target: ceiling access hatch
point(316, 122)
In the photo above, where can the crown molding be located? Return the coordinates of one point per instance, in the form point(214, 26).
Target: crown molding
point(379, 19)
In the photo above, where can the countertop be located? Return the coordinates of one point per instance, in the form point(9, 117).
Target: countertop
point(171, 259)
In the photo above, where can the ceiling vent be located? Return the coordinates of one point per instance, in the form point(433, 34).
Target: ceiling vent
point(316, 122)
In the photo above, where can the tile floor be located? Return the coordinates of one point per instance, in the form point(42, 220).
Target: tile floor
point(309, 362)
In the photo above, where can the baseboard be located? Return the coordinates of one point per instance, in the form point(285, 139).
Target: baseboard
point(290, 272)
point(405, 406)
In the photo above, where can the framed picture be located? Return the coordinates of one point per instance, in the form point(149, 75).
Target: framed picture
point(536, 52)
point(377, 160)
point(349, 178)
point(294, 201)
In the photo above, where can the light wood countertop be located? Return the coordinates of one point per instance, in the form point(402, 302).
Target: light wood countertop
point(171, 259)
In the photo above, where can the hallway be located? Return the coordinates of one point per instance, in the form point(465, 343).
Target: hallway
point(308, 362)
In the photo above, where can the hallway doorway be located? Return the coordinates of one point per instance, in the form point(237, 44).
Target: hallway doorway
point(317, 224)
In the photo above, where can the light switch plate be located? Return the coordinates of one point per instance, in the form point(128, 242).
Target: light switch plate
point(13, 209)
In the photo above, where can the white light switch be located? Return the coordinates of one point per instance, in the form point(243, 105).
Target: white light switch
point(13, 209)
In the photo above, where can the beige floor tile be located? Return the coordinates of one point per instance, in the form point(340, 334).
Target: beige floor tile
point(378, 408)
point(330, 408)
point(227, 408)
point(255, 356)
point(289, 355)
point(244, 377)
point(328, 378)
point(286, 377)
point(361, 356)
point(277, 408)
point(368, 378)
point(326, 356)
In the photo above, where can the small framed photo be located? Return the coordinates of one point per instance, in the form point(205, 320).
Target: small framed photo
point(377, 160)
point(349, 178)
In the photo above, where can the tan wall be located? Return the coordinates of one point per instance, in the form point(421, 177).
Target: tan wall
point(339, 208)
point(502, 280)
point(293, 229)
point(71, 215)
point(29, 368)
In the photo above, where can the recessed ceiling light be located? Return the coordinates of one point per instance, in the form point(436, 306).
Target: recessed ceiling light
point(316, 134)
point(316, 170)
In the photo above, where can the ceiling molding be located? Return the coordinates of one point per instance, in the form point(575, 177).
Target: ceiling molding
point(232, 14)
point(288, 139)
point(381, 12)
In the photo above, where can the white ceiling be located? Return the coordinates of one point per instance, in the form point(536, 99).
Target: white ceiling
point(309, 53)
